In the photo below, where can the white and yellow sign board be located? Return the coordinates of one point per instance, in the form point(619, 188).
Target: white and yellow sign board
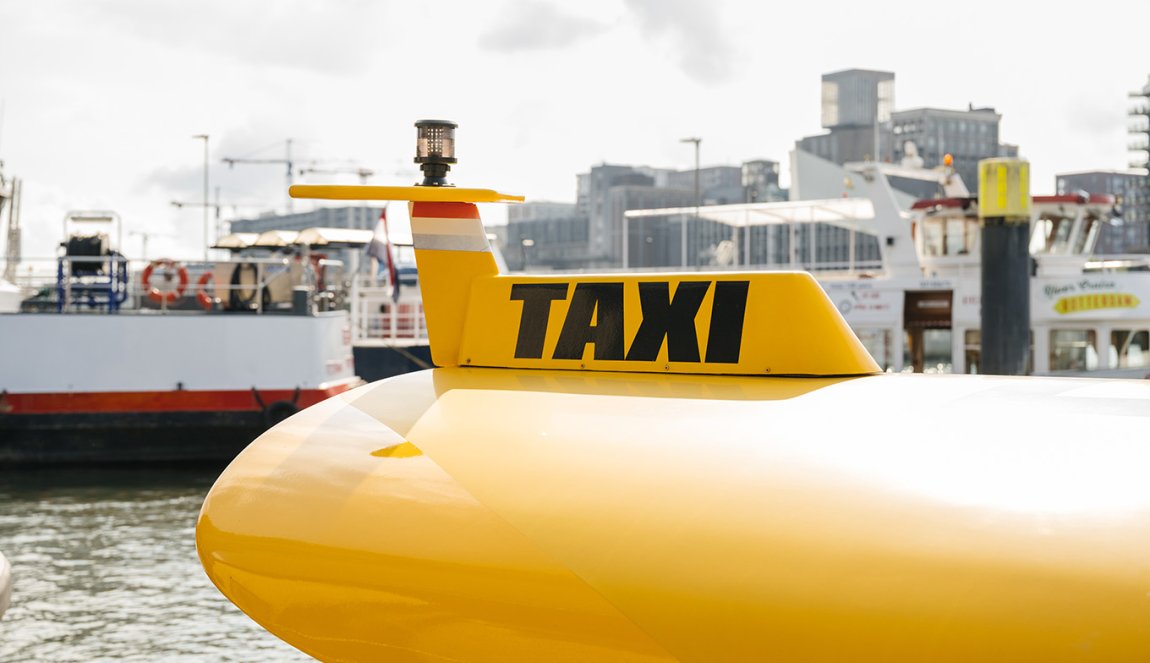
point(1104, 297)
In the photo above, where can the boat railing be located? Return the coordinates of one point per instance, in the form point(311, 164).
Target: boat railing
point(114, 284)
point(382, 315)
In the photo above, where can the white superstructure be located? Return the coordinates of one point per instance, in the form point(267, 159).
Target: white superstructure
point(919, 307)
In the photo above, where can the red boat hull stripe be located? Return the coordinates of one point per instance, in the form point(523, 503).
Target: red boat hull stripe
point(161, 401)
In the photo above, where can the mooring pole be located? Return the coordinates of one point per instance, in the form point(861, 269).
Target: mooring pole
point(1004, 213)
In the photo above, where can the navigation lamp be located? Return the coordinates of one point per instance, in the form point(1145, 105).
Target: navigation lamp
point(435, 150)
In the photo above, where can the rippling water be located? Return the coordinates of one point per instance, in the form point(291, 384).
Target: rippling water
point(105, 568)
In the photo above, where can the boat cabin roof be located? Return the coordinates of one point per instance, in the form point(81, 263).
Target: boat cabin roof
point(312, 237)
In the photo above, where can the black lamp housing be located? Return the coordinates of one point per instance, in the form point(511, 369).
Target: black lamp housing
point(435, 150)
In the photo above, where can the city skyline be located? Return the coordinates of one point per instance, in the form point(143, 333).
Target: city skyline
point(102, 99)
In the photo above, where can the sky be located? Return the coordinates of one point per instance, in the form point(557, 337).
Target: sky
point(101, 99)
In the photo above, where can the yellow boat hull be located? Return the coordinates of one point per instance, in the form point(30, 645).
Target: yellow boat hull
point(493, 514)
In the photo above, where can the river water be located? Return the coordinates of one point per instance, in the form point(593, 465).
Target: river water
point(105, 568)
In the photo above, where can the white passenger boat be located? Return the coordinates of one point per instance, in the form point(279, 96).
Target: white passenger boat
point(916, 303)
point(111, 360)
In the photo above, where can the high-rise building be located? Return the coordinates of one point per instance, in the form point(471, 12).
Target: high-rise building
point(363, 217)
point(1121, 237)
point(535, 209)
point(589, 234)
point(761, 182)
point(969, 136)
point(1136, 207)
point(857, 98)
point(856, 109)
point(718, 185)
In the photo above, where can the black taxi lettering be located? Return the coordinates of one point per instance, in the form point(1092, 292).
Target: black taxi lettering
point(725, 339)
point(536, 298)
point(596, 315)
point(672, 319)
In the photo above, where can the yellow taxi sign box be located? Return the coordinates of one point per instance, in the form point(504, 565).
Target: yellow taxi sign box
point(1004, 189)
point(714, 324)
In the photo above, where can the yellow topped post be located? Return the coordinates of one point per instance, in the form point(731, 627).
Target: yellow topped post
point(1004, 211)
point(1004, 189)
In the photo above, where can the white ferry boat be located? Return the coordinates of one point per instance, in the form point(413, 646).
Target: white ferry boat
point(916, 304)
point(112, 360)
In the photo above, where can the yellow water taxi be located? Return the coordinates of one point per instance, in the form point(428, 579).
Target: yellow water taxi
point(693, 467)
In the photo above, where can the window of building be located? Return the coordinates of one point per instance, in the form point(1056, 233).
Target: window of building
point(885, 100)
point(1129, 348)
point(1073, 350)
point(830, 104)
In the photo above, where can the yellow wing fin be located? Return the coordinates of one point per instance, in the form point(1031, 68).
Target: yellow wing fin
point(437, 194)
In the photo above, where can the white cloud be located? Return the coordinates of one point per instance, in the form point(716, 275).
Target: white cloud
point(692, 32)
point(334, 37)
point(532, 25)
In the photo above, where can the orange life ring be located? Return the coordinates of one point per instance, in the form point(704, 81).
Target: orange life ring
point(206, 301)
point(169, 296)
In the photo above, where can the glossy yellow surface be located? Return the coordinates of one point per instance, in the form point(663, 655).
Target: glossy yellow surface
point(438, 194)
point(493, 514)
point(445, 279)
point(790, 328)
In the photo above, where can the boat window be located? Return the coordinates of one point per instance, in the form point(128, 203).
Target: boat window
point(933, 237)
point(1073, 350)
point(928, 351)
point(878, 343)
point(1051, 234)
point(1084, 243)
point(972, 342)
point(1129, 348)
point(960, 236)
point(1039, 229)
point(972, 345)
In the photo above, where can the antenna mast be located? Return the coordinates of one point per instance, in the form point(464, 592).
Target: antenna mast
point(11, 193)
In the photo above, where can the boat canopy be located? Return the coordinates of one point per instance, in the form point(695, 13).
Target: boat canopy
point(236, 241)
point(274, 239)
point(311, 237)
point(334, 237)
point(850, 213)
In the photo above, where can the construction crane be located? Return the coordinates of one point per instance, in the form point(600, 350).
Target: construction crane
point(287, 161)
point(362, 173)
point(144, 237)
point(10, 193)
point(219, 207)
